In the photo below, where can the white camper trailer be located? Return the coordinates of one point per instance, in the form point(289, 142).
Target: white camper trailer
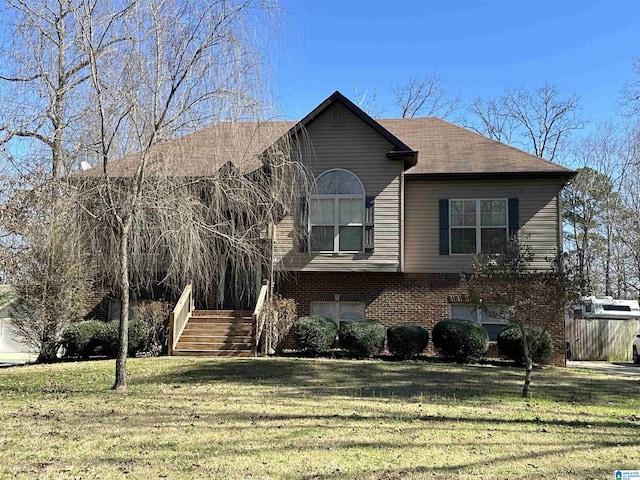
point(606, 307)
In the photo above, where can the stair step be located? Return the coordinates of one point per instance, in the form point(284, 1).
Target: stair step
point(213, 346)
point(217, 330)
point(224, 313)
point(213, 353)
point(235, 320)
point(216, 338)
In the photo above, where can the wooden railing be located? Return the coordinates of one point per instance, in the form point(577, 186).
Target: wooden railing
point(259, 318)
point(180, 316)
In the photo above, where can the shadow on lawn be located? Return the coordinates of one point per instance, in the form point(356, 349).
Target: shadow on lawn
point(400, 380)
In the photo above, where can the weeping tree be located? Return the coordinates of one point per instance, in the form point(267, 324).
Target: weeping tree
point(165, 204)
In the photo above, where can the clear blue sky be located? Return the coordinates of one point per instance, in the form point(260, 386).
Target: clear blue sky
point(478, 47)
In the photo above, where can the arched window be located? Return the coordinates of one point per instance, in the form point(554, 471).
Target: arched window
point(336, 213)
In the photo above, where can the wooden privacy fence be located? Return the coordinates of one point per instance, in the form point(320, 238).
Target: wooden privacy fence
point(601, 339)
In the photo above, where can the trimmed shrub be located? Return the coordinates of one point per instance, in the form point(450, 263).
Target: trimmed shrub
point(407, 341)
point(315, 334)
point(81, 339)
point(93, 337)
point(150, 328)
point(510, 345)
point(462, 341)
point(363, 338)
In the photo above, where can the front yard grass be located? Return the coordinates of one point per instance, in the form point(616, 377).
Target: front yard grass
point(314, 419)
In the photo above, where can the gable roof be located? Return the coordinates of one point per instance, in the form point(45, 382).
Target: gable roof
point(430, 147)
point(449, 150)
point(399, 147)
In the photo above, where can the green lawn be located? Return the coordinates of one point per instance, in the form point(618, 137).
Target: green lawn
point(314, 419)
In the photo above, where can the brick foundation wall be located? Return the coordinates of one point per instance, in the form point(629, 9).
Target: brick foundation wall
point(391, 298)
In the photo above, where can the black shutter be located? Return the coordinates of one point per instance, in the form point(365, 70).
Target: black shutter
point(303, 224)
point(513, 217)
point(443, 207)
point(369, 216)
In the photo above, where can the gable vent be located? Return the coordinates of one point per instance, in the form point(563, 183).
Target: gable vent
point(336, 118)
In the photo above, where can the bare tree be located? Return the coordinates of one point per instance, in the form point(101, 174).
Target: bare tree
point(425, 96)
point(629, 99)
point(506, 287)
point(43, 93)
point(542, 119)
point(367, 105)
point(184, 65)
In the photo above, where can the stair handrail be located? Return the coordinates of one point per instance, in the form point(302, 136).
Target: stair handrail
point(258, 317)
point(180, 316)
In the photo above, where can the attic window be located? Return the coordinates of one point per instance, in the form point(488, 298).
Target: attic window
point(336, 118)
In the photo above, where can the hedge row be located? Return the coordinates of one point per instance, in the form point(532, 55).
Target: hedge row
point(461, 341)
point(96, 338)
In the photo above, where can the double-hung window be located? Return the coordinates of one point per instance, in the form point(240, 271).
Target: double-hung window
point(336, 213)
point(477, 226)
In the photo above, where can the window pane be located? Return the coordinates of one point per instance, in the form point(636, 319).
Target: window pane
point(351, 310)
point(351, 239)
point(351, 210)
point(493, 213)
point(492, 330)
point(322, 211)
point(322, 239)
point(494, 314)
point(463, 240)
point(464, 312)
point(493, 239)
point(323, 309)
point(463, 213)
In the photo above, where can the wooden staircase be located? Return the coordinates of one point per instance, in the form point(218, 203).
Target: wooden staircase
point(217, 333)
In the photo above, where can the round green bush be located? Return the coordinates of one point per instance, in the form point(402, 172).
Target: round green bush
point(462, 341)
point(511, 347)
point(108, 339)
point(81, 339)
point(364, 338)
point(407, 341)
point(315, 334)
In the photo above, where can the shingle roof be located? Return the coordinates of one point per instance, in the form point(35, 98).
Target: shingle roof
point(204, 152)
point(445, 148)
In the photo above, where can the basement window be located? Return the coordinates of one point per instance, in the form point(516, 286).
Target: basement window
point(338, 311)
point(490, 321)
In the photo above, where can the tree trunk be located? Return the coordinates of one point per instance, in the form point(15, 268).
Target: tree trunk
point(528, 361)
point(123, 337)
point(527, 379)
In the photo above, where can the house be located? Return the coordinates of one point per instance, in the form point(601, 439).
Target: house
point(399, 209)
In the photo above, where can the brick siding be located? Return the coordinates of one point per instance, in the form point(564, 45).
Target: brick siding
point(391, 298)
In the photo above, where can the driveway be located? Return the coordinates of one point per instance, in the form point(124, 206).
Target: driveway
point(628, 369)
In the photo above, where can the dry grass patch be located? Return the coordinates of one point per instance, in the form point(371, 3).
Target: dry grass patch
point(313, 419)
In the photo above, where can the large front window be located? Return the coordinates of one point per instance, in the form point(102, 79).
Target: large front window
point(336, 213)
point(478, 226)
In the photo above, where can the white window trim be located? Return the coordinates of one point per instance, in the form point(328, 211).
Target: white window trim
point(336, 216)
point(478, 227)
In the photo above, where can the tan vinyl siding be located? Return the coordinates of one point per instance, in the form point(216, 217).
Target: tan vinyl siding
point(358, 148)
point(538, 217)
